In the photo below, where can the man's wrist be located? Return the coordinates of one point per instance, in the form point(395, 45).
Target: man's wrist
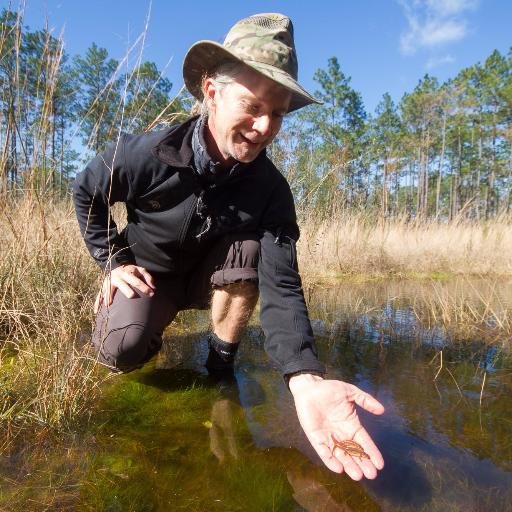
point(298, 380)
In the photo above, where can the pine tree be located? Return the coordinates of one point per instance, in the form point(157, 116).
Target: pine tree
point(147, 96)
point(386, 136)
point(99, 106)
point(339, 129)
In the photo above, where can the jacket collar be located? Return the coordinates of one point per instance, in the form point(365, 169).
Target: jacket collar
point(175, 147)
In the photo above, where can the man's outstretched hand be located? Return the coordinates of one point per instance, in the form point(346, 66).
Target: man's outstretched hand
point(326, 409)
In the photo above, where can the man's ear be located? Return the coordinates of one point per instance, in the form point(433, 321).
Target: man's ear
point(209, 90)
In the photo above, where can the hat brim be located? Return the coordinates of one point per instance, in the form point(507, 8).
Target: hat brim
point(204, 57)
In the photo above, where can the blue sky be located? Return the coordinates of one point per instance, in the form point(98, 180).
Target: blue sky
point(384, 45)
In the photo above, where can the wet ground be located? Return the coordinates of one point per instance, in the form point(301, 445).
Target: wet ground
point(170, 437)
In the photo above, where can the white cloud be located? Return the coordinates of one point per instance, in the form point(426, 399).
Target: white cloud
point(451, 7)
point(433, 23)
point(437, 33)
point(435, 62)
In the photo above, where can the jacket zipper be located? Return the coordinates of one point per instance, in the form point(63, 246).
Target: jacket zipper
point(186, 224)
point(184, 230)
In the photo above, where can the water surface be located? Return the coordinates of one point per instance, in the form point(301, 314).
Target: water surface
point(170, 437)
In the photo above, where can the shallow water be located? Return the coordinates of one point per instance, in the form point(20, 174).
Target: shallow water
point(169, 437)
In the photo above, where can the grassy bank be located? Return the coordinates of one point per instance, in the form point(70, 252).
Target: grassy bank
point(358, 245)
point(47, 377)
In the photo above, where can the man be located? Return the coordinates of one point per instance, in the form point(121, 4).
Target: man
point(211, 223)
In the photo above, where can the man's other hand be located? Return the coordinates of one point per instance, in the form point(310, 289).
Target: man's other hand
point(126, 278)
point(326, 411)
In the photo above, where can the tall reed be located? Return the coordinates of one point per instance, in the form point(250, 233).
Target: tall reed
point(47, 377)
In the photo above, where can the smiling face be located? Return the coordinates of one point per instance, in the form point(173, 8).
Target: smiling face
point(243, 116)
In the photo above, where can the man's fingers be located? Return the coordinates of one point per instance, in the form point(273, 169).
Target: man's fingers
point(327, 457)
point(363, 438)
point(126, 280)
point(138, 283)
point(107, 292)
point(339, 461)
point(357, 466)
point(352, 468)
point(370, 404)
point(97, 303)
point(124, 288)
point(366, 401)
point(148, 278)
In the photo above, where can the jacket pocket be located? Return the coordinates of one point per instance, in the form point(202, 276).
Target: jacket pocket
point(164, 196)
point(293, 252)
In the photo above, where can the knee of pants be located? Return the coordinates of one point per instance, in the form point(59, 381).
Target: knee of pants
point(240, 265)
point(250, 253)
point(127, 348)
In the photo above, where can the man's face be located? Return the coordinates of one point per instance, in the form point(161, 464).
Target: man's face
point(244, 116)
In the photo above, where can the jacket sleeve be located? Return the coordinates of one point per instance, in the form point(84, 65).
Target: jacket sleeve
point(105, 181)
point(284, 317)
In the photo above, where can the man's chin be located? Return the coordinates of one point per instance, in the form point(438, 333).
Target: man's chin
point(246, 157)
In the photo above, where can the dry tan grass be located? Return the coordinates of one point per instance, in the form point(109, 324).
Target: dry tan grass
point(47, 377)
point(357, 245)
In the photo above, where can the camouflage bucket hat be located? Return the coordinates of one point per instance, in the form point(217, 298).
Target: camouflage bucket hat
point(263, 42)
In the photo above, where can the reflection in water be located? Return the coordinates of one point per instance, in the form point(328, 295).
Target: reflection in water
point(170, 437)
point(311, 495)
point(222, 432)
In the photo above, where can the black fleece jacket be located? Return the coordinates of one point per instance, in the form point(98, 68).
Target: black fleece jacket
point(174, 216)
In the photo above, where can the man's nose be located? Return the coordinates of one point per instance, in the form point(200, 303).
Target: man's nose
point(263, 125)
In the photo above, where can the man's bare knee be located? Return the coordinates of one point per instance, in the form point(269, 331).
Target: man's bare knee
point(232, 306)
point(243, 289)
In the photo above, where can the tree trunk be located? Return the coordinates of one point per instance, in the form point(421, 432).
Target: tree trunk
point(62, 178)
point(13, 160)
point(397, 191)
point(419, 182)
point(54, 135)
point(506, 206)
point(460, 180)
point(5, 155)
point(440, 170)
point(385, 190)
point(492, 192)
point(425, 178)
point(478, 174)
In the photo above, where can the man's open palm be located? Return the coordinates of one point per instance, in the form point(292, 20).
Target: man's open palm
point(326, 411)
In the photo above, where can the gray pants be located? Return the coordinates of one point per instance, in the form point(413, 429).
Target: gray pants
point(129, 332)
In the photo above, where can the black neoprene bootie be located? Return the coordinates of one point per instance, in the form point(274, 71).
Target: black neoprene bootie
point(221, 354)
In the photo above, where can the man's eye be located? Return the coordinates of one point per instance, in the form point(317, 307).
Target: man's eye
point(252, 108)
